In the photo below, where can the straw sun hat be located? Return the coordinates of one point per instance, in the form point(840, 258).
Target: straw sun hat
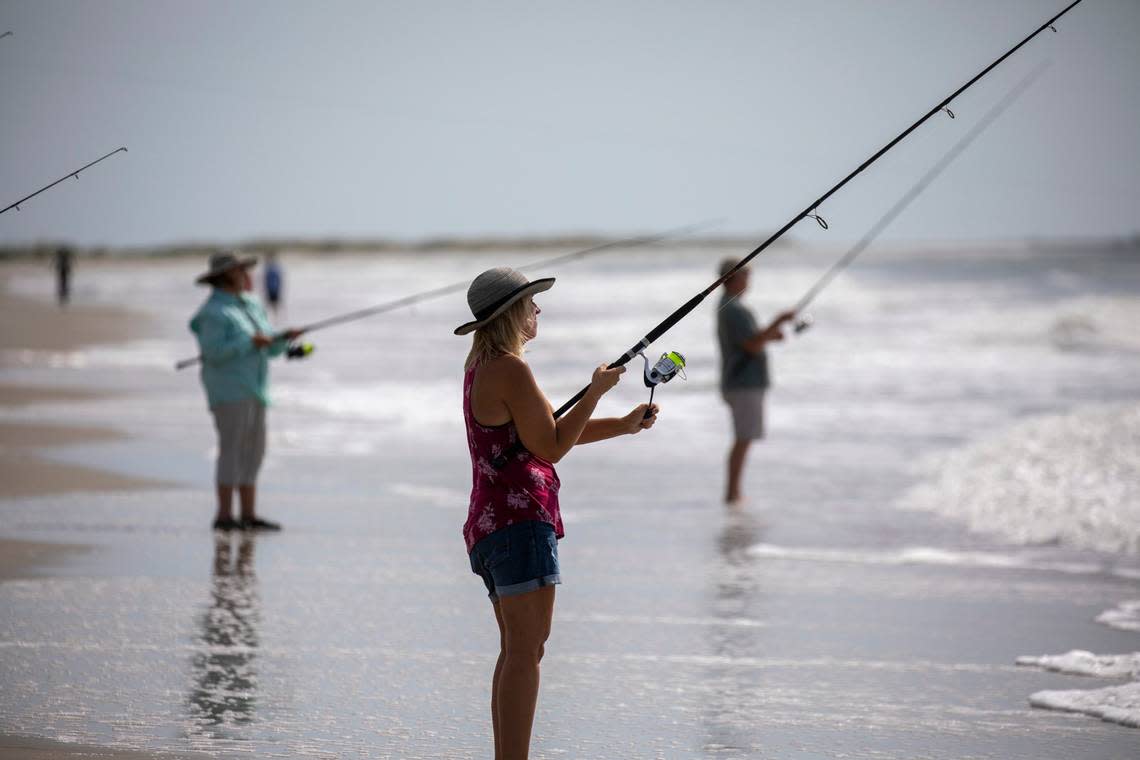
point(493, 292)
point(220, 263)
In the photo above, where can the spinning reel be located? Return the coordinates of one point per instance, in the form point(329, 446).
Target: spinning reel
point(671, 364)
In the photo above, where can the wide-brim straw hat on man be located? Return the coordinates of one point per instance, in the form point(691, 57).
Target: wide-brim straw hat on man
point(223, 262)
point(494, 291)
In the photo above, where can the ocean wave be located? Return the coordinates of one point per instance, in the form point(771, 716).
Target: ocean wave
point(1072, 479)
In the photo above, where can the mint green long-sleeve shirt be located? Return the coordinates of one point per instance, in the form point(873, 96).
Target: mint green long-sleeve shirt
point(232, 368)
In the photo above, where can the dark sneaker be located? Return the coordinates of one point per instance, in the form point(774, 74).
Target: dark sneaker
point(258, 524)
point(227, 525)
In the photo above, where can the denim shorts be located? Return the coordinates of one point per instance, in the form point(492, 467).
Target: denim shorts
point(517, 559)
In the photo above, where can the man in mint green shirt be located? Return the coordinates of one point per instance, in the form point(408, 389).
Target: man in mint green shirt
point(236, 342)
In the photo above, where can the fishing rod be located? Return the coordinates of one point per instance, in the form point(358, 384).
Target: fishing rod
point(805, 321)
point(460, 286)
point(75, 174)
point(811, 211)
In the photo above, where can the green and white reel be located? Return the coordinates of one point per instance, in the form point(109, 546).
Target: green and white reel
point(671, 364)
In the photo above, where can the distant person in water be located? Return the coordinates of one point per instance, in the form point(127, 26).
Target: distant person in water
point(274, 280)
point(236, 342)
point(744, 377)
point(513, 521)
point(63, 263)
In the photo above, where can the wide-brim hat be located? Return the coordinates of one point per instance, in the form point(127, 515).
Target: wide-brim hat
point(220, 263)
point(494, 291)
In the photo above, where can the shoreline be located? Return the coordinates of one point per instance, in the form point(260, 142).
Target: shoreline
point(25, 472)
point(44, 250)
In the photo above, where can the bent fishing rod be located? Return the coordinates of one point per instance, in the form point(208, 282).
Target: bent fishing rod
point(804, 321)
point(74, 174)
point(426, 295)
point(810, 211)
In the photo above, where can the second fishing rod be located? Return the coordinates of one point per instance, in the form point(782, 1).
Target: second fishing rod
point(810, 211)
point(302, 350)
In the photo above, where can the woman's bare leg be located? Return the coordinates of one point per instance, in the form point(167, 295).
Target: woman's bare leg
point(526, 620)
point(495, 679)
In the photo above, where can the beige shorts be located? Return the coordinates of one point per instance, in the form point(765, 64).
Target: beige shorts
point(747, 407)
point(241, 441)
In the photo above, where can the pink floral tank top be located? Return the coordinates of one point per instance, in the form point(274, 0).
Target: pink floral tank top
point(526, 489)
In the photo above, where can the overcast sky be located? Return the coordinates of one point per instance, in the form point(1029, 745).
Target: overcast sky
point(417, 119)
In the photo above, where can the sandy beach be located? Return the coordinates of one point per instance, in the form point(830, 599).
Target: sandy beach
point(847, 611)
point(31, 324)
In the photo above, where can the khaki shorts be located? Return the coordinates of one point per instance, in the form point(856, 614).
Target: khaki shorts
point(241, 441)
point(747, 407)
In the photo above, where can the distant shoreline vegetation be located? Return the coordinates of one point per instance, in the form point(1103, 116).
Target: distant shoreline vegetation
point(46, 248)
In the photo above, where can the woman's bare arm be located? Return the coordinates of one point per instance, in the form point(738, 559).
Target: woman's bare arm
point(541, 434)
point(611, 427)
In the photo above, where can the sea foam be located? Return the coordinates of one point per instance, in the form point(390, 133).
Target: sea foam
point(1078, 662)
point(1116, 704)
point(1072, 478)
point(1124, 616)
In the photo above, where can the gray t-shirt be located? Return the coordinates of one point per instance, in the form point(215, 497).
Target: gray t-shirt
point(738, 368)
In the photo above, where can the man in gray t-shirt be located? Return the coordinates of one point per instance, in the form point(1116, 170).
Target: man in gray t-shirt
point(743, 370)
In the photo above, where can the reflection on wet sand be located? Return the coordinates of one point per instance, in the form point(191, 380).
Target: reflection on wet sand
point(729, 728)
point(224, 687)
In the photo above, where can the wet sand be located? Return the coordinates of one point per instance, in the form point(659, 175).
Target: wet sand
point(34, 324)
point(40, 326)
point(24, 559)
point(30, 748)
point(37, 325)
point(24, 473)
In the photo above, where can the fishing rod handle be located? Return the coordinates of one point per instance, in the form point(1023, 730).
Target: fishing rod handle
point(198, 359)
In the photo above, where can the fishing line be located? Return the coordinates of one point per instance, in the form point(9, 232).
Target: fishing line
point(74, 174)
point(805, 321)
point(811, 211)
point(461, 286)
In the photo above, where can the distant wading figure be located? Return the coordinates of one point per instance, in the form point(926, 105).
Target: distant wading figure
point(63, 259)
point(273, 282)
point(236, 343)
point(513, 522)
point(744, 371)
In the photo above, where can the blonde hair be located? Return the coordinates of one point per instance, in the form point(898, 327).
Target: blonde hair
point(505, 334)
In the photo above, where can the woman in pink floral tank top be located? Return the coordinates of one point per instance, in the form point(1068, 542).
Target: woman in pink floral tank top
point(513, 520)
